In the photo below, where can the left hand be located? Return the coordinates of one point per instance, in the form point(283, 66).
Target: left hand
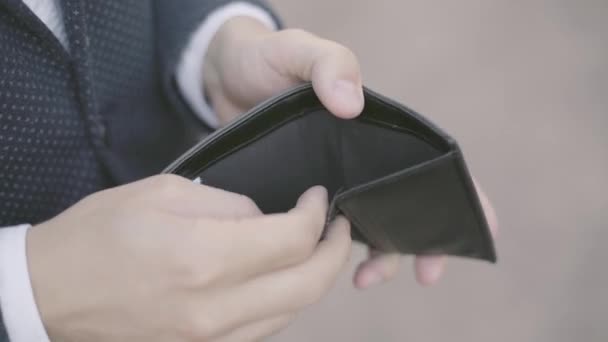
point(247, 63)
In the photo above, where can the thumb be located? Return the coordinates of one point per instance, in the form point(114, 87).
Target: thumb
point(332, 68)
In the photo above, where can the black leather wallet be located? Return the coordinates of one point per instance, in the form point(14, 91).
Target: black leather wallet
point(400, 180)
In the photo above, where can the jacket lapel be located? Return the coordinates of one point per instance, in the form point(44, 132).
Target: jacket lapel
point(76, 26)
point(75, 22)
point(25, 16)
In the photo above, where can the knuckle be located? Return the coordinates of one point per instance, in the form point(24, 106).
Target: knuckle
point(197, 264)
point(303, 240)
point(344, 53)
point(346, 248)
point(299, 249)
point(166, 185)
point(277, 325)
point(247, 204)
point(306, 289)
point(197, 326)
point(91, 200)
point(189, 272)
point(310, 221)
point(193, 278)
point(284, 321)
point(318, 220)
point(312, 293)
point(184, 269)
point(296, 33)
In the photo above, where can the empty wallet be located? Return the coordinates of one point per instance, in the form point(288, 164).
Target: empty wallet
point(400, 180)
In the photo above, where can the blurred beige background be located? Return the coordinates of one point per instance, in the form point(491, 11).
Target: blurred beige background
point(523, 85)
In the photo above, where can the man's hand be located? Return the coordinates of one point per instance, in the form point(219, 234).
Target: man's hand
point(428, 269)
point(164, 259)
point(248, 63)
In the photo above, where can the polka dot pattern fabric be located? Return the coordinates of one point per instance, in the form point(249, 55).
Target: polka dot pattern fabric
point(46, 160)
point(75, 122)
point(106, 112)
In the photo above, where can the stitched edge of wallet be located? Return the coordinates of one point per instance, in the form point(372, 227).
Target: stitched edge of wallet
point(269, 104)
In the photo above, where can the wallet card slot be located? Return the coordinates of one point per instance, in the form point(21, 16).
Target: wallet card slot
point(215, 152)
point(425, 209)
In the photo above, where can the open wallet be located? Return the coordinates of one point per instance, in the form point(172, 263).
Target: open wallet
point(399, 179)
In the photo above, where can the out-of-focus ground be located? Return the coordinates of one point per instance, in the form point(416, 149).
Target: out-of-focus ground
point(523, 85)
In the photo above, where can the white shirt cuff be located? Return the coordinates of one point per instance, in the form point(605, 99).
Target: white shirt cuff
point(21, 317)
point(189, 74)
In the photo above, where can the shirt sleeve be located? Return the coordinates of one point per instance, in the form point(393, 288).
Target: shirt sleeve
point(22, 322)
point(189, 73)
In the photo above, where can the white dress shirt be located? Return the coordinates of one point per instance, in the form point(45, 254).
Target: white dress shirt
point(21, 317)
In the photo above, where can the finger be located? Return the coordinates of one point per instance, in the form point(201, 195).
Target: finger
point(337, 81)
point(333, 69)
point(266, 243)
point(488, 210)
point(226, 109)
point(204, 201)
point(287, 290)
point(429, 268)
point(378, 268)
point(182, 197)
point(257, 331)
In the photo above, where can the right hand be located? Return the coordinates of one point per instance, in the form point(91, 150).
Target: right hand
point(164, 259)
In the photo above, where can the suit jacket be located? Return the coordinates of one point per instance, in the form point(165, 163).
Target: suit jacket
point(105, 113)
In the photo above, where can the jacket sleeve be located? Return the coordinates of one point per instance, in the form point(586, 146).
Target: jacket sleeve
point(3, 335)
point(176, 21)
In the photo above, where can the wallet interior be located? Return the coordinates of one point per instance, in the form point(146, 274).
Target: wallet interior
point(278, 151)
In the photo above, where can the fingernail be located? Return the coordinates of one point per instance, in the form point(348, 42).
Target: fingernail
point(372, 279)
point(349, 96)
